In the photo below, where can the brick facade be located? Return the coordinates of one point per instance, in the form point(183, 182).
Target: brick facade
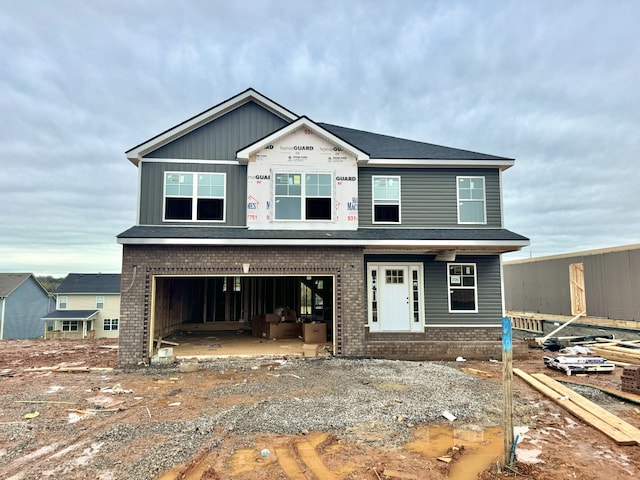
point(346, 264)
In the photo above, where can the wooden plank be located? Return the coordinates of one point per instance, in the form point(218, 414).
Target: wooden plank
point(614, 434)
point(593, 321)
point(603, 414)
point(617, 356)
point(614, 348)
point(552, 334)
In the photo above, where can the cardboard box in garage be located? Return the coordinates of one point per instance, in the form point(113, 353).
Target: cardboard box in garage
point(314, 332)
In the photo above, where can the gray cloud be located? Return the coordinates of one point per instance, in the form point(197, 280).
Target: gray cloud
point(552, 84)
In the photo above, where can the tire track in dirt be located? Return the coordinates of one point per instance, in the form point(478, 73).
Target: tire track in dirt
point(61, 448)
point(307, 450)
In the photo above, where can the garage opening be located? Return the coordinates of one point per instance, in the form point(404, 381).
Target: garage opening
point(227, 315)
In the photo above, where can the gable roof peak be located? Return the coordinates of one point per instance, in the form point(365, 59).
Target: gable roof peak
point(136, 153)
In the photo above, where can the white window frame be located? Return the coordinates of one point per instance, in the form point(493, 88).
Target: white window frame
point(63, 302)
point(194, 197)
point(373, 199)
point(303, 196)
point(461, 286)
point(67, 326)
point(99, 302)
point(373, 297)
point(474, 200)
point(110, 324)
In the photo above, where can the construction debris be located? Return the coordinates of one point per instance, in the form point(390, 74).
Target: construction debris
point(571, 365)
point(612, 426)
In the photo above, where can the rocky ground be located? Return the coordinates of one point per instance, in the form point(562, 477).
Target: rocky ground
point(288, 418)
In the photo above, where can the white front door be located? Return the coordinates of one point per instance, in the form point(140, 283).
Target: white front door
point(394, 299)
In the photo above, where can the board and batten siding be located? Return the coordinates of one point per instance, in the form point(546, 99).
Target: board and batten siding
point(152, 188)
point(429, 196)
point(221, 138)
point(436, 289)
point(611, 284)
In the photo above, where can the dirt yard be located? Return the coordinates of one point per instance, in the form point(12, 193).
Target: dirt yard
point(289, 418)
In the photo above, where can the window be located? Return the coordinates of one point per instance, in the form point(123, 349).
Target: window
point(471, 200)
point(386, 199)
point(62, 303)
point(463, 296)
point(189, 201)
point(99, 302)
point(303, 196)
point(110, 324)
point(70, 326)
point(394, 276)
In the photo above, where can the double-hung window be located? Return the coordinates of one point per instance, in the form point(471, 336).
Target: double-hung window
point(62, 303)
point(471, 200)
point(110, 324)
point(303, 196)
point(463, 292)
point(100, 302)
point(194, 196)
point(386, 199)
point(70, 326)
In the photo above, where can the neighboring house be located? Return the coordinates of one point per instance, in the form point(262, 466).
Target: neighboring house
point(23, 301)
point(247, 207)
point(602, 284)
point(87, 306)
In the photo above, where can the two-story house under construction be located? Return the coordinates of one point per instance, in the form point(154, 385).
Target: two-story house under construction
point(395, 244)
point(87, 306)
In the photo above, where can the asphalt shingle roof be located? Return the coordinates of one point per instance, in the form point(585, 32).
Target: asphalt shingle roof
point(385, 146)
point(364, 234)
point(90, 283)
point(69, 315)
point(10, 281)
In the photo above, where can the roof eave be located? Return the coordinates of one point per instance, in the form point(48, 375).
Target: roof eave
point(501, 163)
point(502, 245)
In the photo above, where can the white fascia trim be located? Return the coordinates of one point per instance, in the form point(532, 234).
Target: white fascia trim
point(189, 160)
point(136, 153)
point(319, 242)
point(464, 325)
point(244, 154)
point(432, 163)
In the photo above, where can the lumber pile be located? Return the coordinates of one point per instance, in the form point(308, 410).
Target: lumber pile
point(612, 426)
point(625, 352)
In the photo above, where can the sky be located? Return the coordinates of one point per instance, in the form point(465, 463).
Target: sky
point(553, 84)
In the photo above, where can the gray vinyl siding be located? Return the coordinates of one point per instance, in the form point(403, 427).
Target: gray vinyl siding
point(429, 196)
point(436, 290)
point(24, 308)
point(221, 138)
point(152, 186)
point(611, 282)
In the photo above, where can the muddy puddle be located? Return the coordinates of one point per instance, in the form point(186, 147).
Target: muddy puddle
point(481, 448)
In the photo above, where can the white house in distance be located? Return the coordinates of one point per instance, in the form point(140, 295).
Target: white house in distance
point(87, 306)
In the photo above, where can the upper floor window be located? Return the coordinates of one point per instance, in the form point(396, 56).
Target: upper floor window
point(194, 196)
point(62, 303)
point(99, 302)
point(301, 196)
point(386, 199)
point(471, 200)
point(463, 295)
